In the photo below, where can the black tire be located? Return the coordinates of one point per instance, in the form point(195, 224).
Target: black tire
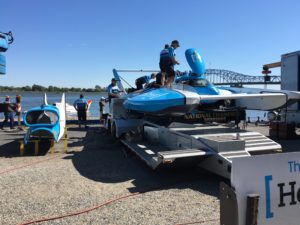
point(108, 126)
point(113, 130)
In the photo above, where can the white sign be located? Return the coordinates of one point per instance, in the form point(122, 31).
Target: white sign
point(276, 179)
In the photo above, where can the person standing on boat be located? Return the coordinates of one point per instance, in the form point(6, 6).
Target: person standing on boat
point(167, 62)
point(81, 105)
point(8, 114)
point(163, 55)
point(113, 90)
point(143, 80)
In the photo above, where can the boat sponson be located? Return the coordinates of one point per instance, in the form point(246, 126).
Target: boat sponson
point(162, 101)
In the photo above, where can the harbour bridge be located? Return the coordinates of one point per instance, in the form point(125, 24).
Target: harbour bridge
point(227, 77)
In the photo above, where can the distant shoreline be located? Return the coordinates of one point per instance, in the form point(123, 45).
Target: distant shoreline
point(3, 93)
point(14, 91)
point(50, 88)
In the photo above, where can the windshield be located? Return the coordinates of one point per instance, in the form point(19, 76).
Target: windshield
point(199, 83)
point(41, 117)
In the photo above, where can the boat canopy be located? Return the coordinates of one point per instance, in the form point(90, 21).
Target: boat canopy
point(193, 80)
point(41, 117)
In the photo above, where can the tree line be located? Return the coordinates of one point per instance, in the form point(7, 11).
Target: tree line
point(50, 88)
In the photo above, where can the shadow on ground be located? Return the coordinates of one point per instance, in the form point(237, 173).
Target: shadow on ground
point(10, 146)
point(104, 159)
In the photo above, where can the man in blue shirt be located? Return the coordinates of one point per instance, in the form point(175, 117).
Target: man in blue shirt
point(167, 62)
point(81, 105)
point(113, 90)
point(143, 80)
point(8, 114)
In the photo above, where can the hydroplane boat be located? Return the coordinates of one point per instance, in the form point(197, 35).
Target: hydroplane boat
point(193, 91)
point(46, 121)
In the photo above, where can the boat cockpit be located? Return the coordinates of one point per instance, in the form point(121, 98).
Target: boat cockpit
point(41, 117)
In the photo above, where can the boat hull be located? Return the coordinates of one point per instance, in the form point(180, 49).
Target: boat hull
point(163, 101)
point(46, 121)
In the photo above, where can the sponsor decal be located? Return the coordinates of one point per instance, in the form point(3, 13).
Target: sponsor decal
point(215, 116)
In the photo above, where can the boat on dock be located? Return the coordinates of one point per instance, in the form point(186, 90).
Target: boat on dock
point(46, 121)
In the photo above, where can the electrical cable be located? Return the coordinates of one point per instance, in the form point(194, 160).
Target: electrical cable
point(198, 222)
point(100, 206)
point(81, 212)
point(26, 165)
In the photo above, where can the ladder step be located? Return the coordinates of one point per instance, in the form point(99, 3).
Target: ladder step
point(238, 153)
point(259, 144)
point(264, 148)
point(256, 141)
point(253, 138)
point(182, 153)
point(144, 153)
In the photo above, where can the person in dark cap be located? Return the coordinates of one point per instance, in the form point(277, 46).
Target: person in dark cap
point(167, 62)
point(8, 114)
point(143, 80)
point(113, 90)
point(81, 105)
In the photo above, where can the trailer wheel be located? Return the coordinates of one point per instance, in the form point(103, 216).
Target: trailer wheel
point(108, 126)
point(113, 131)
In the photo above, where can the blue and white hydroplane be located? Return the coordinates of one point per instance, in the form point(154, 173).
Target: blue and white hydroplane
point(192, 91)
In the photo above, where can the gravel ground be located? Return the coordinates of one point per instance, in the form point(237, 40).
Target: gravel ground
point(95, 170)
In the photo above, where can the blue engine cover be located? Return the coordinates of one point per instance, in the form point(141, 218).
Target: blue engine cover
point(195, 61)
point(3, 42)
point(2, 64)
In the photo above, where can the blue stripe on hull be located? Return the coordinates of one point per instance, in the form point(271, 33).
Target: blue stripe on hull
point(155, 100)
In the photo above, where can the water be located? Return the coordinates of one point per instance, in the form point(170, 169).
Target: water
point(34, 99)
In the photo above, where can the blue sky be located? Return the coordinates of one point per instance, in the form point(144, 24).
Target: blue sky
point(78, 42)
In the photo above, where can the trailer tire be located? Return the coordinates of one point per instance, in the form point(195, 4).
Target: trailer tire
point(109, 126)
point(113, 131)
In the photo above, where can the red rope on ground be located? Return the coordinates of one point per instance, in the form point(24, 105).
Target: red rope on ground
point(27, 165)
point(198, 222)
point(92, 208)
point(83, 211)
point(97, 207)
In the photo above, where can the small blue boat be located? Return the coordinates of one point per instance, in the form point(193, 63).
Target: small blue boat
point(46, 121)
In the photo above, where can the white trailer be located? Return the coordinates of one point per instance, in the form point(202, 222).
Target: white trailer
point(159, 142)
